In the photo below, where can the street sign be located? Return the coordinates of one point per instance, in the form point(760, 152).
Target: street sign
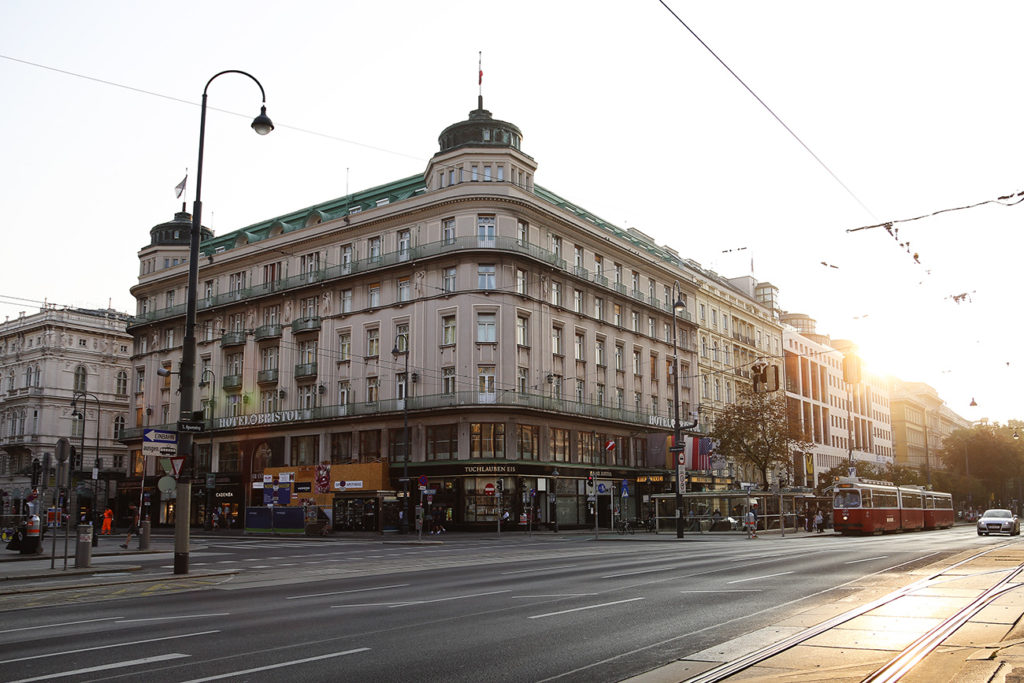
point(677, 449)
point(154, 441)
point(191, 426)
point(423, 480)
point(176, 464)
point(489, 489)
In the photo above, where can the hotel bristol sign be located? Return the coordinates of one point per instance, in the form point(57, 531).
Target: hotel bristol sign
point(260, 419)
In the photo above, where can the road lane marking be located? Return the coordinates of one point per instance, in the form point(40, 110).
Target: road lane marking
point(371, 604)
point(107, 647)
point(104, 667)
point(868, 559)
point(580, 609)
point(234, 674)
point(755, 578)
point(181, 616)
point(559, 595)
point(66, 623)
point(641, 571)
point(729, 590)
point(538, 569)
point(356, 590)
point(454, 597)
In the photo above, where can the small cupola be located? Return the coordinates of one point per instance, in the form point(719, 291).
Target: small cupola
point(177, 231)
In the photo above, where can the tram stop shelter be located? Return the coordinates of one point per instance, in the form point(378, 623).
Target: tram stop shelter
point(712, 511)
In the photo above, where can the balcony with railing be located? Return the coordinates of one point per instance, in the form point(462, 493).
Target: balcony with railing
point(267, 376)
point(233, 338)
point(309, 324)
point(264, 332)
point(232, 382)
point(305, 370)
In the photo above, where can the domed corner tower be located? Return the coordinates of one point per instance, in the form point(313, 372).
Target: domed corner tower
point(480, 149)
point(169, 243)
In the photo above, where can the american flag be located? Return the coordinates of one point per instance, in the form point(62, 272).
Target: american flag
point(698, 452)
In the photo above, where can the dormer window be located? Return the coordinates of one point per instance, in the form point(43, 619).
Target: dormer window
point(487, 135)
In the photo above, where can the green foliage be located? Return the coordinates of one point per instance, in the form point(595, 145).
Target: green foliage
point(984, 464)
point(756, 431)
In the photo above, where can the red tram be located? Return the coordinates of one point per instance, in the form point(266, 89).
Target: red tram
point(864, 506)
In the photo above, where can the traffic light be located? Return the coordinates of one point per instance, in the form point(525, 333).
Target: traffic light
point(36, 470)
point(590, 483)
point(500, 485)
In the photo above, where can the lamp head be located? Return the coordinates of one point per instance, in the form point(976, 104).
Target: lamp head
point(164, 372)
point(262, 123)
point(679, 306)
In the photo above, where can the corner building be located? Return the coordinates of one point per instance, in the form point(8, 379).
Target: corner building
point(524, 342)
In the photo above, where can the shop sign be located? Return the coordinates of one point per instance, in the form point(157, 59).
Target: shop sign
point(650, 478)
point(277, 417)
point(303, 487)
point(224, 494)
point(489, 469)
point(346, 485)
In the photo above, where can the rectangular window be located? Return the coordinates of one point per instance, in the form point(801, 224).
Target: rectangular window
point(341, 448)
point(448, 229)
point(485, 381)
point(448, 380)
point(556, 341)
point(522, 331)
point(310, 307)
point(372, 389)
point(448, 279)
point(307, 351)
point(346, 301)
point(345, 347)
point(309, 264)
point(345, 393)
point(443, 442)
point(402, 337)
point(527, 442)
point(556, 293)
point(599, 308)
point(558, 444)
point(523, 232)
point(486, 276)
point(556, 246)
point(236, 282)
point(522, 380)
point(346, 259)
point(448, 330)
point(617, 315)
point(373, 295)
point(404, 289)
point(373, 342)
point(599, 352)
point(521, 281)
point(269, 357)
point(486, 328)
point(620, 357)
point(487, 440)
point(404, 244)
point(580, 346)
point(373, 249)
point(269, 401)
point(598, 265)
point(638, 364)
point(577, 300)
point(635, 320)
point(485, 229)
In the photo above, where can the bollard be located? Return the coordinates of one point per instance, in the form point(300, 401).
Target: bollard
point(144, 535)
point(83, 549)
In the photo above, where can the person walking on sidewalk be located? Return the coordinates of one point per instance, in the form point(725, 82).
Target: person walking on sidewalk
point(108, 520)
point(751, 521)
point(133, 526)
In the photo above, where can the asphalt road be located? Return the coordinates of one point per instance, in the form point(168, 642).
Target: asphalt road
point(472, 609)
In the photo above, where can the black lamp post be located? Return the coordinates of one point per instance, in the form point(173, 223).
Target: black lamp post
point(678, 308)
point(96, 481)
point(209, 492)
point(404, 522)
point(554, 499)
point(187, 373)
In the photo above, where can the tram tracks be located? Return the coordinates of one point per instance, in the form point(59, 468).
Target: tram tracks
point(910, 656)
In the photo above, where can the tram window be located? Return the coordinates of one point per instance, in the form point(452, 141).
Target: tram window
point(866, 498)
point(847, 499)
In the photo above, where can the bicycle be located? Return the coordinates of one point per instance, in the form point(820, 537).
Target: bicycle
point(623, 526)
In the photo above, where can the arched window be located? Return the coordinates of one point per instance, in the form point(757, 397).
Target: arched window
point(28, 376)
point(80, 377)
point(122, 383)
point(36, 379)
point(119, 424)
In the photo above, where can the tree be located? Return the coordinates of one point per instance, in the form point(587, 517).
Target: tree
point(756, 431)
point(986, 464)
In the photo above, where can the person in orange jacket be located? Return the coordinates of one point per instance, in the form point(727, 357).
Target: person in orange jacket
point(108, 520)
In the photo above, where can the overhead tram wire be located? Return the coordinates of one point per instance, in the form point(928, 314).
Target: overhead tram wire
point(769, 110)
point(179, 100)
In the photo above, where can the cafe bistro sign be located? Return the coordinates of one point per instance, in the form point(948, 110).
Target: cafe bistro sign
point(260, 419)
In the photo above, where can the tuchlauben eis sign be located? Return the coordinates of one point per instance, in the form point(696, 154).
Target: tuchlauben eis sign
point(259, 419)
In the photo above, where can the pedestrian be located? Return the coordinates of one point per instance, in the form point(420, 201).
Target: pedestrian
point(133, 526)
point(108, 521)
point(819, 522)
point(215, 519)
point(752, 521)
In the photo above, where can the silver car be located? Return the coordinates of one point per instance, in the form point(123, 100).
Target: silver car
point(998, 522)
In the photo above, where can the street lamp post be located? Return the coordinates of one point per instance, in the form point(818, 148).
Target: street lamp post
point(678, 307)
point(554, 500)
point(395, 352)
point(96, 480)
point(187, 373)
point(213, 393)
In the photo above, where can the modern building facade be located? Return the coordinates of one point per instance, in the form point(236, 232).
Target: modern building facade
point(921, 423)
point(845, 422)
point(463, 337)
point(47, 359)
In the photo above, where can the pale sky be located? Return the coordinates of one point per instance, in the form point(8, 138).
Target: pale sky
point(913, 105)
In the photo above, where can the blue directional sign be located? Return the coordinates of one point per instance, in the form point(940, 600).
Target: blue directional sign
point(601, 488)
point(156, 442)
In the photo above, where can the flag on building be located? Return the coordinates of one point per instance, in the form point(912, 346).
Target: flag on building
point(698, 452)
point(179, 189)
